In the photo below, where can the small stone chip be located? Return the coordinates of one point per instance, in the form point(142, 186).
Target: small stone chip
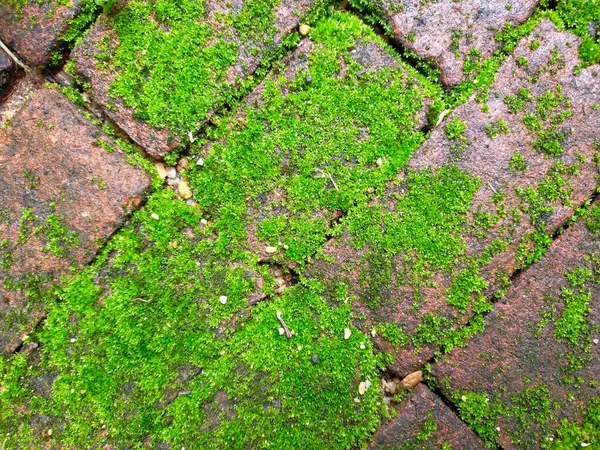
point(281, 330)
point(270, 249)
point(155, 216)
point(200, 162)
point(184, 190)
point(315, 359)
point(411, 380)
point(223, 299)
point(162, 171)
point(304, 29)
point(171, 172)
point(347, 333)
point(362, 388)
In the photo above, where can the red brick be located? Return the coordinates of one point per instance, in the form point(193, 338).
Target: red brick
point(514, 353)
point(445, 31)
point(415, 415)
point(34, 31)
point(52, 165)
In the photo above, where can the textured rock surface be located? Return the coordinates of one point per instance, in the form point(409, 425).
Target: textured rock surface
point(424, 421)
point(523, 348)
point(446, 31)
point(62, 196)
point(250, 53)
point(34, 30)
point(552, 133)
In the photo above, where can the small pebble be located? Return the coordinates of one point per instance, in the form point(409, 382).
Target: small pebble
point(304, 29)
point(162, 171)
point(223, 299)
point(347, 333)
point(281, 330)
point(203, 221)
point(379, 161)
point(49, 432)
point(367, 384)
point(357, 400)
point(184, 190)
point(362, 388)
point(308, 79)
point(170, 172)
point(270, 249)
point(155, 216)
point(464, 398)
point(183, 163)
point(370, 190)
point(73, 339)
point(595, 341)
point(315, 359)
point(362, 346)
point(200, 162)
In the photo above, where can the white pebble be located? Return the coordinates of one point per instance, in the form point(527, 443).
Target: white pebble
point(379, 161)
point(203, 221)
point(368, 383)
point(595, 341)
point(73, 339)
point(362, 346)
point(464, 398)
point(200, 162)
point(223, 299)
point(155, 216)
point(281, 330)
point(347, 333)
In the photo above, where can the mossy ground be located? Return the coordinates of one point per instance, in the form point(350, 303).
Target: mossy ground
point(140, 349)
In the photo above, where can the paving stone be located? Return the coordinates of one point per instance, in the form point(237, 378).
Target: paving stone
point(63, 195)
point(206, 84)
point(424, 421)
point(33, 31)
point(503, 227)
point(449, 32)
point(538, 361)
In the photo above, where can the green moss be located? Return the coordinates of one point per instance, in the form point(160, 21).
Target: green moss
point(308, 149)
point(580, 17)
point(160, 357)
point(496, 128)
point(578, 434)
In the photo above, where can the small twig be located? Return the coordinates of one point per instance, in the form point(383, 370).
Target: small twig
point(13, 57)
point(330, 177)
point(285, 328)
point(492, 187)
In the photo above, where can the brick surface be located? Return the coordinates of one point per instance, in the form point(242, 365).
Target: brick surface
point(423, 421)
point(34, 30)
point(556, 185)
point(520, 350)
point(62, 196)
point(155, 141)
point(446, 31)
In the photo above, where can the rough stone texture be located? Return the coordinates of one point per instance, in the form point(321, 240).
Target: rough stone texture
point(6, 67)
point(33, 32)
point(52, 165)
point(445, 31)
point(155, 141)
point(488, 159)
point(409, 427)
point(511, 356)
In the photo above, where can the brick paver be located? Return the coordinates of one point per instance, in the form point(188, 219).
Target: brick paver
point(538, 360)
point(424, 421)
point(33, 30)
point(63, 194)
point(456, 36)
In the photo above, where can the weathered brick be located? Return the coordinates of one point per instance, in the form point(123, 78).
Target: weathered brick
point(33, 31)
point(423, 421)
point(447, 31)
point(103, 40)
point(514, 211)
point(524, 359)
point(62, 196)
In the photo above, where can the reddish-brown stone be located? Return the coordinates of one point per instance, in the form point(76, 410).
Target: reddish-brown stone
point(548, 68)
point(517, 352)
point(424, 421)
point(34, 30)
point(445, 31)
point(62, 196)
point(157, 142)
